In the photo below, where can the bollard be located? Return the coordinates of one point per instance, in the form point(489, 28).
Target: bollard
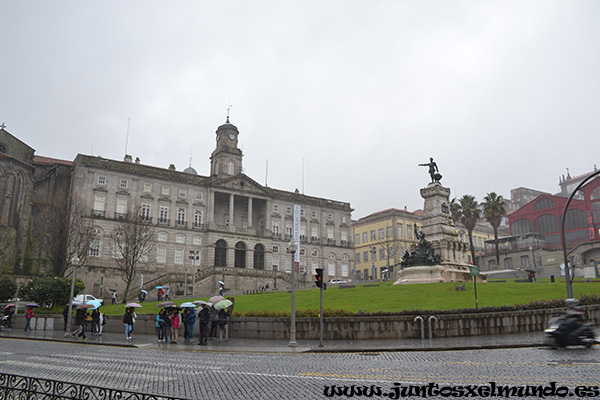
point(422, 326)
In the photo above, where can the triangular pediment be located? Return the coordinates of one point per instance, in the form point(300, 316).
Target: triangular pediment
point(242, 183)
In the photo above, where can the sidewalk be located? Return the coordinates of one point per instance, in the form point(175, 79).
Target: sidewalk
point(303, 346)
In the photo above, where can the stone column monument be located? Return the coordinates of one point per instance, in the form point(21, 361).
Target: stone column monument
point(439, 230)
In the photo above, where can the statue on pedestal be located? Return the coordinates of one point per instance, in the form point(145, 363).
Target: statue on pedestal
point(434, 172)
point(421, 253)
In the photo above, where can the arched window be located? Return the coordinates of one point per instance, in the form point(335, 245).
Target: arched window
point(595, 194)
point(221, 253)
point(240, 255)
point(521, 226)
point(259, 256)
point(576, 219)
point(547, 223)
point(543, 203)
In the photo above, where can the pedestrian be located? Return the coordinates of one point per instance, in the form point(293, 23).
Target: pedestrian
point(160, 294)
point(191, 320)
point(103, 321)
point(81, 319)
point(114, 298)
point(129, 322)
point(223, 327)
point(160, 325)
point(183, 318)
point(168, 332)
point(95, 321)
point(214, 322)
point(28, 316)
point(167, 294)
point(8, 312)
point(204, 319)
point(66, 316)
point(175, 325)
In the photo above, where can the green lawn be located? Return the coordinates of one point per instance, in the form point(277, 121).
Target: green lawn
point(388, 298)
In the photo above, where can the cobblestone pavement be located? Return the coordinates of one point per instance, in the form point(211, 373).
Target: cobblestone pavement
point(213, 372)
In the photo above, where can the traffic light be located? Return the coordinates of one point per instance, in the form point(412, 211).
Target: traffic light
point(319, 277)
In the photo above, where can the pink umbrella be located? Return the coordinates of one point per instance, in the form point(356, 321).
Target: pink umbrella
point(9, 305)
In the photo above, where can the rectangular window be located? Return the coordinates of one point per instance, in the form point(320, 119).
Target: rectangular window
point(121, 208)
point(329, 216)
point(164, 191)
point(357, 238)
point(179, 256)
point(123, 184)
point(344, 236)
point(389, 231)
point(365, 237)
point(508, 263)
point(315, 265)
point(180, 238)
point(345, 270)
point(275, 249)
point(197, 218)
point(180, 216)
point(147, 187)
point(99, 202)
point(380, 233)
point(409, 233)
point(95, 248)
point(161, 255)
point(524, 261)
point(373, 256)
point(372, 235)
point(400, 230)
point(313, 214)
point(198, 195)
point(357, 258)
point(182, 193)
point(275, 261)
point(302, 212)
point(146, 211)
point(288, 209)
point(382, 254)
point(331, 268)
point(365, 256)
point(163, 216)
point(329, 233)
point(344, 219)
point(492, 264)
point(162, 236)
point(275, 227)
point(275, 208)
point(101, 180)
point(197, 241)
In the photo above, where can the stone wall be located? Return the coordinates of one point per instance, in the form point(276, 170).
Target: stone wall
point(356, 328)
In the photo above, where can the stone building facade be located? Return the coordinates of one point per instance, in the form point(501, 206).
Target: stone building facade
point(223, 227)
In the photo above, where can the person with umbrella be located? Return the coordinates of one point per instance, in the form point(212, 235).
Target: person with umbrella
point(28, 316)
point(204, 318)
point(175, 324)
point(81, 320)
point(190, 321)
point(9, 310)
point(128, 321)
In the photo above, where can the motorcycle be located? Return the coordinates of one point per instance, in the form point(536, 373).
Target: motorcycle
point(569, 330)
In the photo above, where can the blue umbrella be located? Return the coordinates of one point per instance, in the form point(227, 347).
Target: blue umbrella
point(94, 303)
point(158, 287)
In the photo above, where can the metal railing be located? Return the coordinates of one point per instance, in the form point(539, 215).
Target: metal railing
point(24, 387)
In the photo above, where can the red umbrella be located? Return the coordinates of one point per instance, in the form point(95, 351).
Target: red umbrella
point(9, 305)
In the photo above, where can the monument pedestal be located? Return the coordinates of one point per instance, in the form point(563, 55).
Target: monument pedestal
point(439, 229)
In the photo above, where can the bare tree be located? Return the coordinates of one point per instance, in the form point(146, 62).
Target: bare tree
point(387, 246)
point(67, 233)
point(133, 240)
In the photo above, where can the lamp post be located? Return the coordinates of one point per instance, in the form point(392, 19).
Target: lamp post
point(194, 255)
point(75, 263)
point(293, 246)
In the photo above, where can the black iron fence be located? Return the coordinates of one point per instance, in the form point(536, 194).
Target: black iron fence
point(13, 387)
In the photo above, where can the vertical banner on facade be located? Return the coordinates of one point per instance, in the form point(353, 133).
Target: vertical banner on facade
point(296, 236)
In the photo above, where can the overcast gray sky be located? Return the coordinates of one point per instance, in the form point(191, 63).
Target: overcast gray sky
point(502, 94)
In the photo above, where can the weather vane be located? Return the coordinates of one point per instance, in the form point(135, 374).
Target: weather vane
point(228, 109)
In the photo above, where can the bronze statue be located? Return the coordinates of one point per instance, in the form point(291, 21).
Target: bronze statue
point(434, 172)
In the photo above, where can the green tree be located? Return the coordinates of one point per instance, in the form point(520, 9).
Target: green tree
point(50, 291)
point(7, 288)
point(468, 214)
point(494, 211)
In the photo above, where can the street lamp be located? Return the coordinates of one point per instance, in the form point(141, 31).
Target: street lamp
point(194, 255)
point(75, 263)
point(293, 246)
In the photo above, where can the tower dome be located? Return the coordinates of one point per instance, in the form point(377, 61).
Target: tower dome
point(190, 170)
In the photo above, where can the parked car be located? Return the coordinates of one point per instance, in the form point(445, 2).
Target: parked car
point(79, 299)
point(336, 281)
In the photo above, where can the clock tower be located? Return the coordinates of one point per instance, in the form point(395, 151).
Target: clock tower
point(226, 159)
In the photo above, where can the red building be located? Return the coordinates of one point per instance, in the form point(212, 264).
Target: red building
point(543, 214)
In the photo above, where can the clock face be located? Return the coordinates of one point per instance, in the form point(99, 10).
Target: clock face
point(231, 136)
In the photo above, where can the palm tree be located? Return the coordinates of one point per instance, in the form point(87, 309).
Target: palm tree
point(468, 214)
point(494, 211)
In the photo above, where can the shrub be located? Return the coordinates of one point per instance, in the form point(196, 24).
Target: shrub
point(7, 288)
